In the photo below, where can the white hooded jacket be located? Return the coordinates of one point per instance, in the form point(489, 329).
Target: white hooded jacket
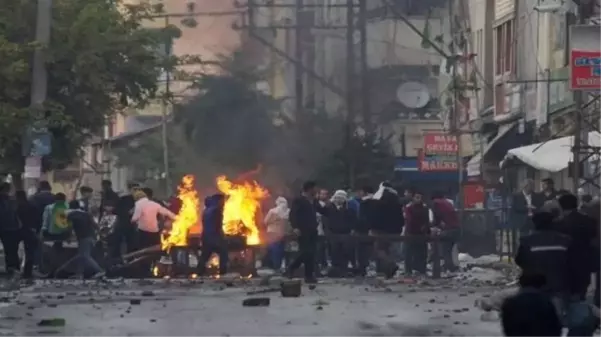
point(276, 219)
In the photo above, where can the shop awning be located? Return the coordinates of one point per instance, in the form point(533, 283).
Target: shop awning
point(553, 155)
point(473, 165)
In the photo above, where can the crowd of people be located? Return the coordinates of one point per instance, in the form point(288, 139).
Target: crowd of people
point(379, 212)
point(119, 224)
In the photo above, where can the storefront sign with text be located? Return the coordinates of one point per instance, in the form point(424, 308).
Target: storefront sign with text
point(585, 67)
point(436, 163)
point(440, 144)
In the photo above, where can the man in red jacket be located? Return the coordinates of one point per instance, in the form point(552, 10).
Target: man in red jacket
point(417, 227)
point(446, 221)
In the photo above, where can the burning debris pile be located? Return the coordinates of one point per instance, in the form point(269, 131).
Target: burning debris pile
point(241, 218)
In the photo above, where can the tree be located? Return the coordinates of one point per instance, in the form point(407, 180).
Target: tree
point(100, 60)
point(229, 122)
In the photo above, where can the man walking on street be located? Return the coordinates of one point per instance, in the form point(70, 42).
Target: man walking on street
point(9, 230)
point(417, 217)
point(213, 241)
point(303, 218)
point(445, 219)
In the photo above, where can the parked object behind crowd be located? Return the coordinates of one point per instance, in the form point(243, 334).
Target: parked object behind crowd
point(389, 221)
point(277, 223)
point(417, 228)
point(445, 219)
point(342, 220)
point(213, 241)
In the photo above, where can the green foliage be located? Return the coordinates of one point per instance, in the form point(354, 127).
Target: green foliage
point(100, 60)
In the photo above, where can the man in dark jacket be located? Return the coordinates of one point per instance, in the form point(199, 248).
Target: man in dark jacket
point(9, 230)
point(340, 219)
point(85, 230)
point(545, 252)
point(303, 219)
point(417, 227)
point(446, 221)
point(212, 234)
point(40, 200)
point(583, 231)
point(368, 213)
point(125, 231)
point(389, 221)
point(83, 203)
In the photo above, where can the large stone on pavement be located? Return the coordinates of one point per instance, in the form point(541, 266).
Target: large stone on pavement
point(256, 302)
point(291, 288)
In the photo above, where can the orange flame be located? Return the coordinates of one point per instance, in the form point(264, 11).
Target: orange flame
point(187, 217)
point(241, 208)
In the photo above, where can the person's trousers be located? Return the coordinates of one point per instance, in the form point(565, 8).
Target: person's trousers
point(416, 255)
point(31, 244)
point(385, 263)
point(323, 252)
point(145, 240)
point(307, 249)
point(10, 241)
point(341, 255)
point(123, 233)
point(448, 240)
point(209, 247)
point(83, 260)
point(363, 251)
point(275, 251)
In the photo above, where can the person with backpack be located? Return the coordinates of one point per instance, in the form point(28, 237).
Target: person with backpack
point(55, 225)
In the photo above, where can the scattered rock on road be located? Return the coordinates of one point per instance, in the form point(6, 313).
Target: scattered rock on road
point(256, 302)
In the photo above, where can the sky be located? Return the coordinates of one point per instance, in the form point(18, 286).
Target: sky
point(212, 36)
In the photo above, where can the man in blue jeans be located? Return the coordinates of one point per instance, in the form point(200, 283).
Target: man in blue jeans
point(85, 230)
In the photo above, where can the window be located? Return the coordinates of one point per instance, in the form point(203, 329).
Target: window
point(500, 105)
point(504, 38)
point(479, 49)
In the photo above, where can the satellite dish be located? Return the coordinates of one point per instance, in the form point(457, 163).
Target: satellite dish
point(413, 95)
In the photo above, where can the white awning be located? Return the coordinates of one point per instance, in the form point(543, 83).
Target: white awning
point(552, 156)
point(473, 165)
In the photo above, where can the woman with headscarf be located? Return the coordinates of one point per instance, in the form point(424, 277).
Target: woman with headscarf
point(277, 224)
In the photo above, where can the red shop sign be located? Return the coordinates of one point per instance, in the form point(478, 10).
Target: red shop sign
point(585, 69)
point(440, 143)
point(436, 163)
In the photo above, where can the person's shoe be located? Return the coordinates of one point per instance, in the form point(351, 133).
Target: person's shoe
point(391, 272)
point(310, 280)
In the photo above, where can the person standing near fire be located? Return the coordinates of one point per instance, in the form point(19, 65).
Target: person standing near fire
point(303, 219)
point(125, 231)
point(213, 238)
point(277, 223)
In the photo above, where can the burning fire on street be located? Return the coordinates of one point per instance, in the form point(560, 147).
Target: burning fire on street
point(241, 218)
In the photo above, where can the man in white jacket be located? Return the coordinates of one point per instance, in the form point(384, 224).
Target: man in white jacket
point(145, 215)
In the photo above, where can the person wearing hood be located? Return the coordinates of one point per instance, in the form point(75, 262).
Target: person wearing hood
point(340, 219)
point(213, 240)
point(277, 224)
point(368, 213)
point(446, 221)
point(389, 221)
point(417, 216)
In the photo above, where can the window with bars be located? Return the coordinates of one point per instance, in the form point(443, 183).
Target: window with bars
point(504, 48)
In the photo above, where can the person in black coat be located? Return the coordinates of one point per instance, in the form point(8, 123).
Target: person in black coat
point(389, 221)
point(545, 252)
point(340, 219)
point(10, 229)
point(26, 213)
point(368, 213)
point(583, 254)
point(42, 198)
point(303, 219)
point(125, 231)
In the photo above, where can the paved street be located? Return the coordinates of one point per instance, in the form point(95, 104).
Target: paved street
point(215, 308)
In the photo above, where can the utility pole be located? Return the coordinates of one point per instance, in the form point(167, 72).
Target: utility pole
point(298, 67)
point(365, 78)
point(165, 115)
point(580, 147)
point(350, 91)
point(39, 89)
